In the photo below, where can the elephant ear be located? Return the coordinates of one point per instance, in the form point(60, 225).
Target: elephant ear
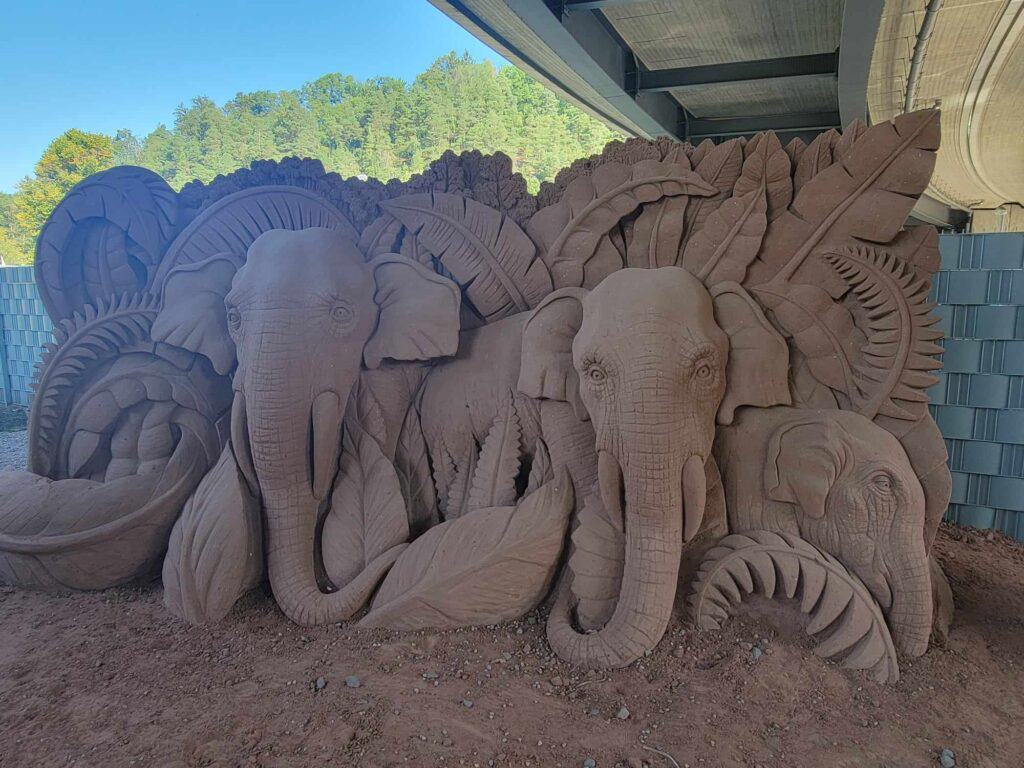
point(546, 369)
point(192, 312)
point(804, 459)
point(758, 368)
point(418, 312)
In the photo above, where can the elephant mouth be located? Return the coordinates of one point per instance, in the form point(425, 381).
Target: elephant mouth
point(693, 487)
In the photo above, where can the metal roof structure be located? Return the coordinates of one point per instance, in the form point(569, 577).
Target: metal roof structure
point(698, 69)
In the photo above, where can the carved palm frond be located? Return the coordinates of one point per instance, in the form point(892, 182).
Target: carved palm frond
point(573, 233)
point(894, 367)
point(844, 618)
point(485, 252)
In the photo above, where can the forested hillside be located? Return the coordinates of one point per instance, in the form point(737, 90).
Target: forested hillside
point(382, 127)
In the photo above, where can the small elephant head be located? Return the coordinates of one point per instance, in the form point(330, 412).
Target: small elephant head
point(302, 316)
point(856, 496)
point(652, 358)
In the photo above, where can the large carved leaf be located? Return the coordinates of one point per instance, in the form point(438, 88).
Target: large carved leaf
point(597, 561)
point(494, 479)
point(413, 467)
point(894, 369)
point(367, 516)
point(490, 565)
point(730, 239)
point(845, 620)
point(104, 239)
point(487, 253)
point(720, 166)
point(215, 553)
point(766, 168)
point(86, 534)
point(572, 233)
point(231, 224)
point(822, 330)
point(865, 196)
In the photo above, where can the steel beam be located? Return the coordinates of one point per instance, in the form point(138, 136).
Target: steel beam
point(861, 19)
point(592, 5)
point(585, 43)
point(701, 128)
point(817, 64)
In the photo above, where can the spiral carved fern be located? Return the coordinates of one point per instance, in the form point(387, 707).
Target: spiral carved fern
point(900, 351)
point(845, 620)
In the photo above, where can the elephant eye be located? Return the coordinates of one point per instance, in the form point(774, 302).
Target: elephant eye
point(234, 318)
point(596, 374)
point(882, 482)
point(704, 371)
point(342, 314)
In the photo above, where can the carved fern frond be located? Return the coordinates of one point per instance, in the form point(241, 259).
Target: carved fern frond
point(413, 468)
point(844, 618)
point(900, 351)
point(494, 478)
point(540, 470)
point(83, 340)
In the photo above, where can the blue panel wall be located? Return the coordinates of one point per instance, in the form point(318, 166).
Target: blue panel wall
point(24, 328)
point(979, 400)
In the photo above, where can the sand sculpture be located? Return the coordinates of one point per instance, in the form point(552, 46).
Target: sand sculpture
point(676, 372)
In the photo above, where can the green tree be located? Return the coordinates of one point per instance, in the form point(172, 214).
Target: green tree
point(70, 158)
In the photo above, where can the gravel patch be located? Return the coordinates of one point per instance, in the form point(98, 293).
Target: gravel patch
point(13, 450)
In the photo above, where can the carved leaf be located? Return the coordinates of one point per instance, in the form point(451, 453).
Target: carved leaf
point(658, 234)
point(865, 196)
point(487, 253)
point(231, 224)
point(729, 241)
point(444, 474)
point(367, 515)
point(491, 565)
point(85, 534)
point(540, 470)
point(894, 372)
point(215, 553)
point(494, 480)
point(816, 158)
point(413, 468)
point(720, 166)
point(795, 149)
point(766, 168)
point(363, 412)
point(572, 233)
point(105, 238)
point(822, 330)
point(842, 144)
point(844, 618)
point(460, 487)
point(597, 561)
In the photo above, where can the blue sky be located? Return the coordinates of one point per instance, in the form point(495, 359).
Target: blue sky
point(100, 65)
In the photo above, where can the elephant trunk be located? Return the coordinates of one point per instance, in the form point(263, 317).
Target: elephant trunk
point(294, 438)
point(910, 616)
point(655, 495)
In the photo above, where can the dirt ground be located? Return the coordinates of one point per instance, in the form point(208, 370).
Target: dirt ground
point(111, 679)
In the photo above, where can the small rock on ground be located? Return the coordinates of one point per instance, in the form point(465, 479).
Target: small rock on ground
point(947, 758)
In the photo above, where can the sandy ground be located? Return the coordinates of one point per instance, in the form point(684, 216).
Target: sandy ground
point(111, 679)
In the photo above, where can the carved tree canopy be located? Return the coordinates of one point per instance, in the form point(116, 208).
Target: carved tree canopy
point(797, 254)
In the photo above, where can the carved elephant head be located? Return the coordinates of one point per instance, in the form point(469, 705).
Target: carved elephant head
point(302, 315)
point(652, 358)
point(844, 484)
